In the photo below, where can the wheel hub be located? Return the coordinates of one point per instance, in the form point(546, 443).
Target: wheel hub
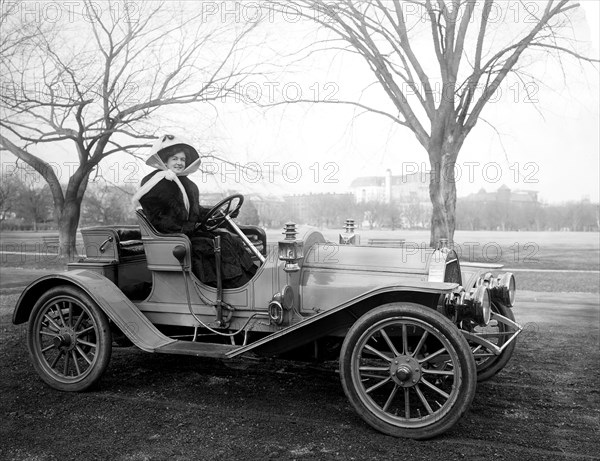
point(65, 340)
point(405, 371)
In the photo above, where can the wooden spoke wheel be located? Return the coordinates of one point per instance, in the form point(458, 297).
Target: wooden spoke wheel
point(407, 370)
point(69, 339)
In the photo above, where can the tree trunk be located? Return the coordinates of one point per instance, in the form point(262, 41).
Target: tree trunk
point(68, 215)
point(67, 228)
point(442, 192)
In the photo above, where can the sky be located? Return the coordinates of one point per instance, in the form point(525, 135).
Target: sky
point(547, 141)
point(550, 146)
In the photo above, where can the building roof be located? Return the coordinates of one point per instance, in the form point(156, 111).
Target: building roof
point(503, 194)
point(398, 180)
point(368, 181)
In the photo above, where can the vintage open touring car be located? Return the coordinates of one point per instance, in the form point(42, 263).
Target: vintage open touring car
point(413, 328)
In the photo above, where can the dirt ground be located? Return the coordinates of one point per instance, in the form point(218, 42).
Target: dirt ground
point(544, 405)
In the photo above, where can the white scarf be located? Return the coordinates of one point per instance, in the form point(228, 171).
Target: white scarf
point(153, 181)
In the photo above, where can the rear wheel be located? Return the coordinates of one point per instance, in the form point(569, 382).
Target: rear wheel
point(407, 370)
point(69, 339)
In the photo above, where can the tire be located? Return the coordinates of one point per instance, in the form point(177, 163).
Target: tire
point(407, 370)
point(69, 339)
point(488, 364)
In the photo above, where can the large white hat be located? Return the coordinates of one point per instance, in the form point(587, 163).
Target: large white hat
point(168, 145)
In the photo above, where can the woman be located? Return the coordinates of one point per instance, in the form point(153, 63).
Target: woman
point(171, 202)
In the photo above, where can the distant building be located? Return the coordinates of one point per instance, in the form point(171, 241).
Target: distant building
point(394, 201)
point(406, 189)
point(504, 196)
point(319, 209)
point(503, 210)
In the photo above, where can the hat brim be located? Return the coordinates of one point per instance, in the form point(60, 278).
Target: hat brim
point(191, 154)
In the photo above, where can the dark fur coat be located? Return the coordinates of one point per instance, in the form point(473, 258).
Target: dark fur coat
point(165, 209)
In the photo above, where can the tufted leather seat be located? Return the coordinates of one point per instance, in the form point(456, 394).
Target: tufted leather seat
point(129, 233)
point(129, 241)
point(131, 248)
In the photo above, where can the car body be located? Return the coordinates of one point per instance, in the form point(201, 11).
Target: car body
point(414, 328)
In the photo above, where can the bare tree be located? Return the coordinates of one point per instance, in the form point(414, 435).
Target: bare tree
point(106, 203)
point(376, 213)
point(12, 39)
point(24, 196)
point(9, 186)
point(439, 63)
point(34, 202)
point(94, 81)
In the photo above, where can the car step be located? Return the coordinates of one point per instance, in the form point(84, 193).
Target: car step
point(196, 349)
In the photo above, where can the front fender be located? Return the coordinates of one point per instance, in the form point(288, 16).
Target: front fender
point(109, 298)
point(344, 315)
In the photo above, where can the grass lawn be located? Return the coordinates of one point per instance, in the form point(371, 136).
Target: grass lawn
point(530, 254)
point(516, 250)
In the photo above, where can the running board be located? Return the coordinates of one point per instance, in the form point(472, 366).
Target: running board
point(217, 351)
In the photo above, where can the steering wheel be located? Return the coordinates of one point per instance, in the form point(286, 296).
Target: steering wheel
point(217, 214)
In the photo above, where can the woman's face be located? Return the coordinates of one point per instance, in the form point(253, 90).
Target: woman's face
point(176, 162)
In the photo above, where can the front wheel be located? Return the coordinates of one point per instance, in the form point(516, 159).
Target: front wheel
point(488, 364)
point(407, 370)
point(69, 339)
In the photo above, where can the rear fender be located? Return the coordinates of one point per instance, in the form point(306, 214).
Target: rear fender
point(341, 317)
point(109, 298)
